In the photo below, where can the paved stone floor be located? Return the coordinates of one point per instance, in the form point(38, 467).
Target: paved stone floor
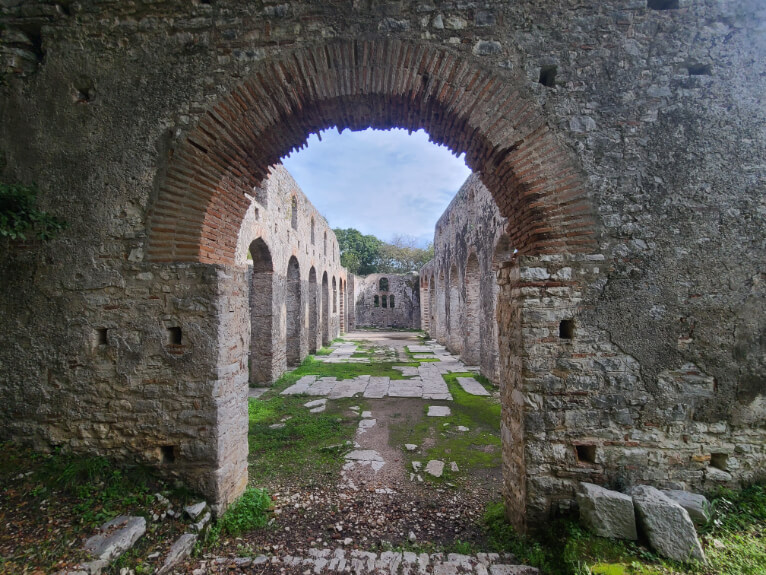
point(424, 381)
point(373, 482)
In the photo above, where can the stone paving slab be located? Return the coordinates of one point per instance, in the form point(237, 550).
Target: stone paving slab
point(377, 387)
point(420, 348)
point(470, 385)
point(347, 388)
point(407, 370)
point(359, 562)
point(405, 388)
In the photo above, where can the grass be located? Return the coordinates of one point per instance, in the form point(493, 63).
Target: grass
point(310, 446)
point(477, 448)
point(312, 366)
point(249, 512)
point(733, 542)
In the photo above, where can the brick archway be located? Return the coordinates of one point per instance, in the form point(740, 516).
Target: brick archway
point(357, 84)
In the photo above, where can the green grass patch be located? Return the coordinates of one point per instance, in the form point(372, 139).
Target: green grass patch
point(324, 351)
point(311, 366)
point(479, 447)
point(249, 512)
point(309, 446)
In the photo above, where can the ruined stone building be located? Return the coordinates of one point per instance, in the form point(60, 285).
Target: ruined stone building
point(622, 142)
point(388, 300)
point(459, 286)
point(298, 289)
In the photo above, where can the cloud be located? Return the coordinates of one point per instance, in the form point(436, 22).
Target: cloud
point(383, 183)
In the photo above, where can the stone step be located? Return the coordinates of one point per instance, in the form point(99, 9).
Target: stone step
point(318, 561)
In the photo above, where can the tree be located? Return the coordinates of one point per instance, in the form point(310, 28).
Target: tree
point(402, 256)
point(359, 254)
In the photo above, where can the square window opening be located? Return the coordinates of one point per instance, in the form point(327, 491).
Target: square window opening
point(720, 461)
point(175, 336)
point(567, 329)
point(167, 454)
point(585, 453)
point(102, 336)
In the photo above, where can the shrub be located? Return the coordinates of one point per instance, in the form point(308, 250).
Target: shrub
point(19, 216)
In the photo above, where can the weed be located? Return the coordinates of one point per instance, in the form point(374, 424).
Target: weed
point(249, 512)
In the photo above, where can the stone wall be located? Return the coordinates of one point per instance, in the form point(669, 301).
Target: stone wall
point(281, 226)
point(469, 242)
point(388, 300)
point(600, 130)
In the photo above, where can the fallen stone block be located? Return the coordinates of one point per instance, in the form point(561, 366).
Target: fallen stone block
point(194, 511)
point(435, 468)
point(179, 551)
point(116, 537)
point(315, 403)
point(666, 524)
point(606, 513)
point(200, 525)
point(696, 505)
point(438, 411)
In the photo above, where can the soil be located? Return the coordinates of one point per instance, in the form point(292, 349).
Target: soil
point(365, 509)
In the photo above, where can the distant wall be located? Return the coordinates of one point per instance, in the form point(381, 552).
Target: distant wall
point(388, 300)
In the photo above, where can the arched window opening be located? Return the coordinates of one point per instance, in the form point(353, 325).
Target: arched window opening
point(383, 284)
point(384, 300)
point(334, 296)
point(391, 301)
point(294, 213)
point(325, 244)
point(376, 301)
point(312, 231)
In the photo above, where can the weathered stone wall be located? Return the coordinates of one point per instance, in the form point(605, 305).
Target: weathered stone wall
point(468, 240)
point(607, 129)
point(586, 411)
point(284, 224)
point(374, 306)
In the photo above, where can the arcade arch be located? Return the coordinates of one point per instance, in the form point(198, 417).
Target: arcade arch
point(356, 84)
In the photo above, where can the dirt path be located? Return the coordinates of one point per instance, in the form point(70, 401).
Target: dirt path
point(378, 501)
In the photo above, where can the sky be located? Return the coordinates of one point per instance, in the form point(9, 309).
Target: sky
point(383, 183)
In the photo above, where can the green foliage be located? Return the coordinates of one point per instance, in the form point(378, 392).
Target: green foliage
point(249, 512)
point(402, 256)
point(364, 255)
point(736, 537)
point(358, 253)
point(20, 218)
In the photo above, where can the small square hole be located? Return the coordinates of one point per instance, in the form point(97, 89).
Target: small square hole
point(586, 453)
point(699, 69)
point(175, 336)
point(662, 4)
point(167, 454)
point(567, 329)
point(720, 461)
point(102, 336)
point(548, 76)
